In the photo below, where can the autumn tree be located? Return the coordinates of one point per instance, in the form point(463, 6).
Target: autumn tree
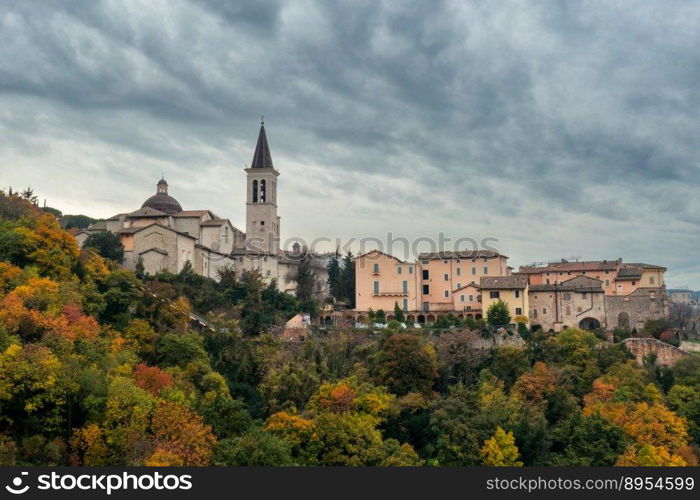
point(405, 364)
point(500, 450)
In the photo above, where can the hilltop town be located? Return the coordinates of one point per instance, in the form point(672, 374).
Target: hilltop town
point(594, 295)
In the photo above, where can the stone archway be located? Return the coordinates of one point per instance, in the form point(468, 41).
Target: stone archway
point(411, 318)
point(430, 318)
point(589, 324)
point(478, 316)
point(389, 317)
point(623, 320)
point(421, 319)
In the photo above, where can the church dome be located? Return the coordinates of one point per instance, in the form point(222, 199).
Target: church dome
point(162, 200)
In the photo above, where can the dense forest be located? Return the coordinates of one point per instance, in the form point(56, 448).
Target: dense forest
point(103, 366)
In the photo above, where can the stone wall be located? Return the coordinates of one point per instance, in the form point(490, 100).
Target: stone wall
point(690, 346)
point(666, 354)
point(639, 306)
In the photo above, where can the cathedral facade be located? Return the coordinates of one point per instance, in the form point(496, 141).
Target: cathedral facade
point(161, 236)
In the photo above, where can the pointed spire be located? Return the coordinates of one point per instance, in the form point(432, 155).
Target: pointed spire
point(262, 157)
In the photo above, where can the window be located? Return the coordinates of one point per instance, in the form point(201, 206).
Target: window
point(459, 285)
point(262, 191)
point(583, 272)
point(651, 280)
point(405, 286)
point(517, 294)
point(410, 269)
point(447, 293)
point(376, 287)
point(486, 270)
point(518, 311)
point(426, 274)
point(447, 277)
point(398, 270)
point(486, 259)
point(426, 306)
point(583, 295)
point(495, 295)
point(255, 191)
point(405, 304)
point(548, 273)
point(474, 260)
point(426, 289)
point(424, 262)
point(634, 283)
point(471, 298)
point(544, 310)
point(473, 270)
point(567, 296)
point(548, 281)
point(607, 282)
point(445, 262)
point(534, 313)
point(461, 298)
point(376, 268)
point(459, 273)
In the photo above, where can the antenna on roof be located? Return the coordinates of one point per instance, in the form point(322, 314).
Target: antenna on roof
point(262, 119)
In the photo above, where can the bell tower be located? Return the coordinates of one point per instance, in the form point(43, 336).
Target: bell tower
point(262, 223)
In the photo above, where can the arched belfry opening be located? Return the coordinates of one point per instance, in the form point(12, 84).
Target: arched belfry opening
point(262, 191)
point(255, 191)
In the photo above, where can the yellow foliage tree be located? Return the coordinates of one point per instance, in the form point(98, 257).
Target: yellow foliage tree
point(500, 450)
point(649, 456)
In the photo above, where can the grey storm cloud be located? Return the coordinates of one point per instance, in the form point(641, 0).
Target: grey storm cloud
point(559, 128)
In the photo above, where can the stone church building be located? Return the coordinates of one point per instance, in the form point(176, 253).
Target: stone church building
point(163, 236)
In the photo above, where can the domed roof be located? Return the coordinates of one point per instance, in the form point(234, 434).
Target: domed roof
point(162, 200)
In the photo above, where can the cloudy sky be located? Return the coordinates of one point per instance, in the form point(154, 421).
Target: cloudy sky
point(560, 128)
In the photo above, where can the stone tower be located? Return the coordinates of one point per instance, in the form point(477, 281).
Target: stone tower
point(262, 223)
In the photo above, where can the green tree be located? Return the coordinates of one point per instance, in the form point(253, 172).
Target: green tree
point(497, 314)
point(347, 279)
point(334, 277)
point(107, 244)
point(398, 313)
point(405, 364)
point(256, 448)
point(587, 441)
point(508, 363)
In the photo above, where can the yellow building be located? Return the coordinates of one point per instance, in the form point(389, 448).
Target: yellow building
point(513, 290)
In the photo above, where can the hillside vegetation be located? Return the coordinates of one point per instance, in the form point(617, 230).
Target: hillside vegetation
point(101, 367)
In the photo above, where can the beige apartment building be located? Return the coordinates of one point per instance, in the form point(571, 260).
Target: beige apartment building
point(436, 284)
point(591, 294)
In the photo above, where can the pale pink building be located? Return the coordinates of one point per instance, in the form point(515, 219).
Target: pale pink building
point(436, 284)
